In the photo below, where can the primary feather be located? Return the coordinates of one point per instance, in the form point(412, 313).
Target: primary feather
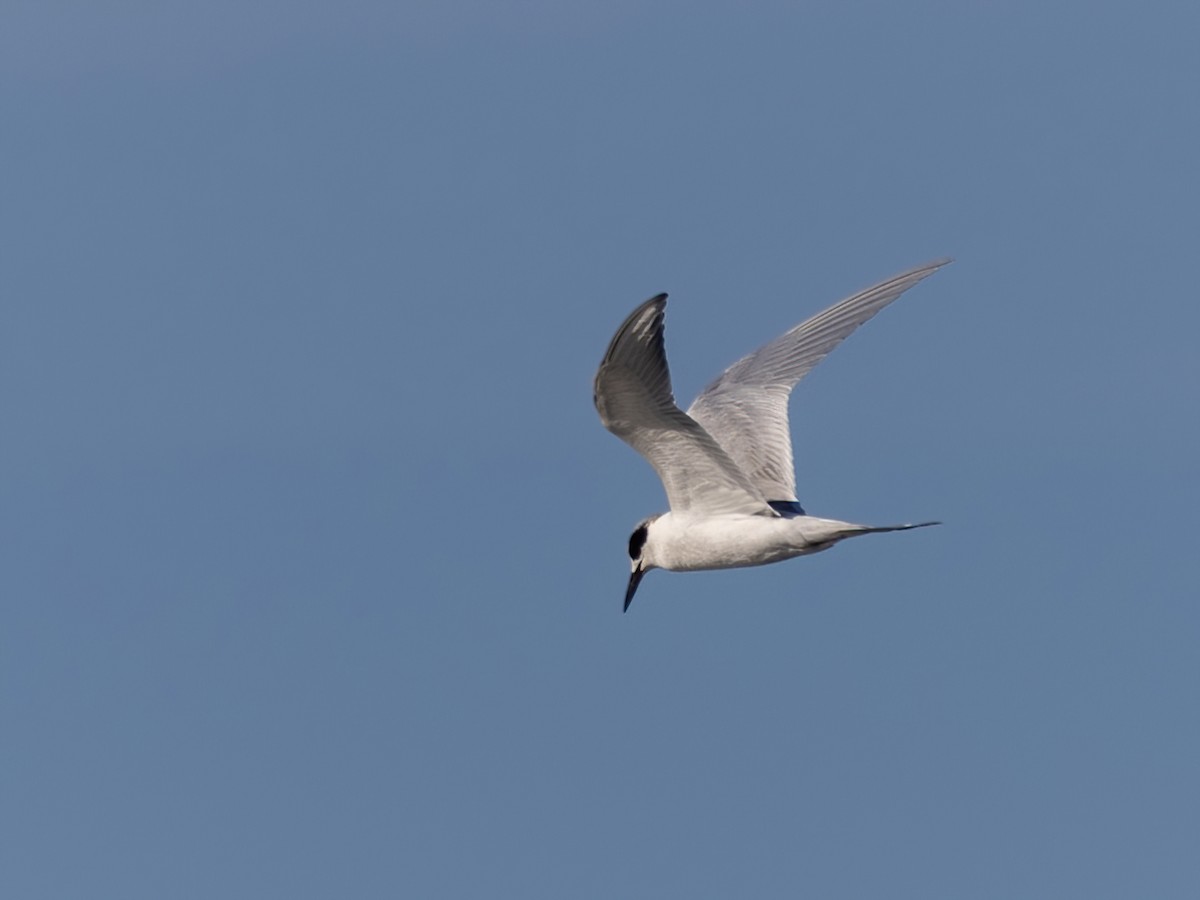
point(634, 399)
point(746, 409)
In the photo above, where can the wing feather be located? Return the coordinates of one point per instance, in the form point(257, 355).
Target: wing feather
point(746, 408)
point(633, 396)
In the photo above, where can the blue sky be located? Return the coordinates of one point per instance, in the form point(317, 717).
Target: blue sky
point(312, 545)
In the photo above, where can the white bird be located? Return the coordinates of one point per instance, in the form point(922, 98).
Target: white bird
point(726, 463)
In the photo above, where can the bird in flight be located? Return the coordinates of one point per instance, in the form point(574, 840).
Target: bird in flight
point(726, 463)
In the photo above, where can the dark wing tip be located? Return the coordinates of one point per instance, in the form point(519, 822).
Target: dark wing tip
point(655, 307)
point(658, 303)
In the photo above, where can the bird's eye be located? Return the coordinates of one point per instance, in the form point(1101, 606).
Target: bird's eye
point(636, 541)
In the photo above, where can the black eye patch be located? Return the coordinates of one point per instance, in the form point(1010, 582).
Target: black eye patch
point(637, 540)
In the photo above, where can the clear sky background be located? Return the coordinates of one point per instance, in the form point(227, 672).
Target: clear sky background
point(312, 547)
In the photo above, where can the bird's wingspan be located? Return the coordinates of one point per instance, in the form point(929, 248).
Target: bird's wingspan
point(634, 399)
point(746, 409)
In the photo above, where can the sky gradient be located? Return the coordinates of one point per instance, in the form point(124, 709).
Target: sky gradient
point(312, 547)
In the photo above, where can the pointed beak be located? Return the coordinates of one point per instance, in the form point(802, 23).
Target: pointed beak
point(635, 578)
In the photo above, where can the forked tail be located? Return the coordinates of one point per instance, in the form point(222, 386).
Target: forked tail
point(822, 538)
point(872, 529)
point(879, 529)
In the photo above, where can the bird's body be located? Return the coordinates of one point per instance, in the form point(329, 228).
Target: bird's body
point(726, 463)
point(687, 542)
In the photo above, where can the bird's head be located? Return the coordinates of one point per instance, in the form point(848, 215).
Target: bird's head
point(640, 555)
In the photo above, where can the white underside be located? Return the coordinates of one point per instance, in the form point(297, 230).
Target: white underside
point(682, 542)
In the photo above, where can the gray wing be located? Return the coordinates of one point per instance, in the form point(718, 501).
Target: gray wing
point(746, 409)
point(634, 399)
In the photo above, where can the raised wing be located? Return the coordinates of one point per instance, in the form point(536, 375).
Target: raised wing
point(633, 397)
point(746, 409)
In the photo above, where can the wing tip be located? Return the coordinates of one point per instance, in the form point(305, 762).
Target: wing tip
point(657, 304)
point(932, 266)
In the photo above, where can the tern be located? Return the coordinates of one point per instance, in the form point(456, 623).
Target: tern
point(726, 463)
